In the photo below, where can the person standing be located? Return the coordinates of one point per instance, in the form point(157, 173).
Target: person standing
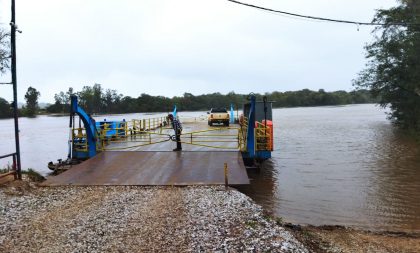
point(177, 126)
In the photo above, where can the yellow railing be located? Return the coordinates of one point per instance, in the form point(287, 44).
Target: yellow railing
point(144, 132)
point(132, 128)
point(143, 125)
point(204, 138)
point(79, 139)
point(243, 133)
point(263, 137)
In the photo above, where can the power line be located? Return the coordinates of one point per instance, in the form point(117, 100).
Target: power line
point(321, 18)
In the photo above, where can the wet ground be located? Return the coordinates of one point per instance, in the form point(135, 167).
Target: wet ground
point(339, 165)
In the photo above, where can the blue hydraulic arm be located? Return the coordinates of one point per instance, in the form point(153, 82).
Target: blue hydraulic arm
point(89, 124)
point(250, 137)
point(232, 119)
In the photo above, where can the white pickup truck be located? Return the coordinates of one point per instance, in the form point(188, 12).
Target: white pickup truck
point(218, 115)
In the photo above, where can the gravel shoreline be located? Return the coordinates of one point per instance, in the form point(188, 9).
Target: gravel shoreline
point(136, 219)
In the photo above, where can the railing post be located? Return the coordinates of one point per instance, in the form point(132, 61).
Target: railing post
point(126, 129)
point(18, 174)
point(239, 140)
point(133, 126)
point(226, 176)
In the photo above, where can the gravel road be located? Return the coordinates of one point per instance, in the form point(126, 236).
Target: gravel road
point(136, 219)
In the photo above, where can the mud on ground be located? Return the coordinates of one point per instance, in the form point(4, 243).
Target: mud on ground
point(324, 239)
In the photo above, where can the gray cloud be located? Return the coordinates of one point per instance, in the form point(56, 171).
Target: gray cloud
point(167, 47)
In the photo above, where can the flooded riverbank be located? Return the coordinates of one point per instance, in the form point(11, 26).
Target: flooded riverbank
point(343, 165)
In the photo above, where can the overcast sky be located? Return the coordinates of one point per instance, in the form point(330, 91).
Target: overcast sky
point(168, 47)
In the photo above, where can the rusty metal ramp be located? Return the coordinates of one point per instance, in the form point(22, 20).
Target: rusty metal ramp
point(155, 168)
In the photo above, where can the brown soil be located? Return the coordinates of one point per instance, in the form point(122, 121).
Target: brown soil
point(340, 239)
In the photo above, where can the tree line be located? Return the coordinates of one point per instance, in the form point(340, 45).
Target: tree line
point(95, 99)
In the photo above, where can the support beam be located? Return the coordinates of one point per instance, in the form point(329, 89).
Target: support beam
point(13, 28)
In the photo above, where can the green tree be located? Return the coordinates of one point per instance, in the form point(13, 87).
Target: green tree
point(31, 98)
point(4, 51)
point(393, 69)
point(5, 109)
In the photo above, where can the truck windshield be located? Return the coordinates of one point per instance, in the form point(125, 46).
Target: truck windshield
point(218, 110)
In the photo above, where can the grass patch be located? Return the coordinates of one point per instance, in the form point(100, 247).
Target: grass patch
point(30, 173)
point(279, 221)
point(33, 175)
point(251, 224)
point(6, 169)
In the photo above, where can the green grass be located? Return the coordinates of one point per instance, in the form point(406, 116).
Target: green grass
point(33, 175)
point(251, 224)
point(6, 169)
point(30, 173)
point(279, 221)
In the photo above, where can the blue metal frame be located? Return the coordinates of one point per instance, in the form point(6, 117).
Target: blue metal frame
point(250, 136)
point(251, 153)
point(90, 127)
point(112, 130)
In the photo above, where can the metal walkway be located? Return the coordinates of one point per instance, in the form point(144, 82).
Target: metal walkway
point(155, 168)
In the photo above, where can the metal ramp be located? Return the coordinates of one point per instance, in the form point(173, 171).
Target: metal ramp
point(155, 168)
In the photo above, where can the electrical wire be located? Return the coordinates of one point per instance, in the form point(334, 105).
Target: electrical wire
point(323, 19)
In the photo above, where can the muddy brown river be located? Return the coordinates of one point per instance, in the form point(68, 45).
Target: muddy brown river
point(341, 165)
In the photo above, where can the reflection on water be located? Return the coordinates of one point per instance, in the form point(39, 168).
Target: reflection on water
point(342, 165)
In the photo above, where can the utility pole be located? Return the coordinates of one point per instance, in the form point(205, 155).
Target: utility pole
point(13, 27)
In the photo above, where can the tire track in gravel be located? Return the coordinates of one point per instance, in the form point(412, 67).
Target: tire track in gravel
point(52, 227)
point(157, 225)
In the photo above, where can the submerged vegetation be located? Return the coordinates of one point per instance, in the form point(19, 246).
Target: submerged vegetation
point(393, 69)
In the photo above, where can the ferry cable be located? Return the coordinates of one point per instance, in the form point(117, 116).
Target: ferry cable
point(324, 19)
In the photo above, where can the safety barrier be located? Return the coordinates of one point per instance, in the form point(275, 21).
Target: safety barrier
point(143, 132)
point(263, 137)
point(243, 123)
point(138, 130)
point(13, 170)
point(142, 125)
point(263, 133)
point(117, 131)
point(202, 138)
point(145, 139)
point(187, 119)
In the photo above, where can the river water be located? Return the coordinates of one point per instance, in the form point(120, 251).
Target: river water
point(341, 165)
